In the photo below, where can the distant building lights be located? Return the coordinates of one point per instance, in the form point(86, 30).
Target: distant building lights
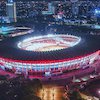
point(97, 11)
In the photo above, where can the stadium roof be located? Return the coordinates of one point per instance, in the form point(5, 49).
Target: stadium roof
point(9, 49)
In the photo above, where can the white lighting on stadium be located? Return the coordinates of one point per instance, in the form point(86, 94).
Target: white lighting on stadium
point(50, 35)
point(49, 42)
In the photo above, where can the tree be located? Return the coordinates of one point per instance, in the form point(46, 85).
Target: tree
point(20, 89)
point(75, 95)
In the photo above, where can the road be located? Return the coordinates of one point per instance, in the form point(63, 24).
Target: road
point(50, 92)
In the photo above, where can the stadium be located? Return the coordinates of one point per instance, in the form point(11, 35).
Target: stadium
point(50, 49)
point(48, 55)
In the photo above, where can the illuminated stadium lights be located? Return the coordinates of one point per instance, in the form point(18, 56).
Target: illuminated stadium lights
point(50, 35)
point(47, 54)
point(47, 66)
point(49, 42)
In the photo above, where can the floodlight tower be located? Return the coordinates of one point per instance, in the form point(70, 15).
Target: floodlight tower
point(11, 10)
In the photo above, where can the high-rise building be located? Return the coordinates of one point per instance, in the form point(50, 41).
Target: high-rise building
point(75, 9)
point(51, 7)
point(11, 11)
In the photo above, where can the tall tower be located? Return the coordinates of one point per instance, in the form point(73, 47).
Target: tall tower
point(51, 8)
point(11, 11)
point(75, 8)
